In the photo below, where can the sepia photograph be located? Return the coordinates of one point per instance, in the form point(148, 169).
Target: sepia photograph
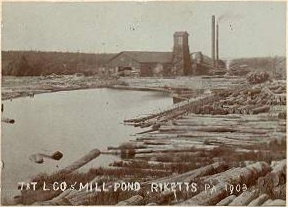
point(151, 103)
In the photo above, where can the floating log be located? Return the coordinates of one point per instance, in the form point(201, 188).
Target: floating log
point(267, 202)
point(163, 198)
point(240, 175)
point(40, 195)
point(147, 131)
point(56, 155)
point(172, 157)
point(220, 180)
point(207, 198)
point(202, 129)
point(244, 198)
point(58, 200)
point(134, 200)
point(278, 172)
point(188, 176)
point(277, 202)
point(151, 204)
point(279, 192)
point(259, 201)
point(81, 162)
point(142, 170)
point(73, 197)
point(226, 200)
point(155, 142)
point(261, 109)
point(7, 120)
point(273, 179)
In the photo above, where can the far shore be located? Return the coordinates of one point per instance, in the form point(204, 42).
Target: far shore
point(28, 86)
point(16, 87)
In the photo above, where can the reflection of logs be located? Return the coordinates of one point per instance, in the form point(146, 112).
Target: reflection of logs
point(39, 157)
point(7, 120)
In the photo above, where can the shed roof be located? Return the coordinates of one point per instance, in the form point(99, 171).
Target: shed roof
point(148, 57)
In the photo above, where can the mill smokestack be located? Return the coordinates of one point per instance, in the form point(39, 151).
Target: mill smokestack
point(217, 44)
point(213, 40)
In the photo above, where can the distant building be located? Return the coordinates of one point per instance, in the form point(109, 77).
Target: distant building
point(204, 65)
point(143, 63)
point(179, 62)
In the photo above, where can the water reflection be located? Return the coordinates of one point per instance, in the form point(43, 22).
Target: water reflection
point(74, 123)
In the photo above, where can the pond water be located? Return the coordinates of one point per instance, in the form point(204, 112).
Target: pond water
point(72, 122)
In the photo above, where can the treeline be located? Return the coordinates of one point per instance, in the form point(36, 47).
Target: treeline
point(34, 63)
point(275, 65)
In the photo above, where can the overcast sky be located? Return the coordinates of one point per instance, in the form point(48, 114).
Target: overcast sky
point(247, 29)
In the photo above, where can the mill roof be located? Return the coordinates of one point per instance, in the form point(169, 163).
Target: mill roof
point(148, 57)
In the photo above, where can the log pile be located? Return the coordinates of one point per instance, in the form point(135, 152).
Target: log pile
point(255, 77)
point(250, 100)
point(247, 99)
point(274, 183)
point(177, 110)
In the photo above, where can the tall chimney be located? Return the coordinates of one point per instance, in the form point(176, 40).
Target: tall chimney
point(217, 44)
point(213, 40)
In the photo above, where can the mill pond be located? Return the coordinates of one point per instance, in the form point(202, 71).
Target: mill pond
point(195, 140)
point(72, 122)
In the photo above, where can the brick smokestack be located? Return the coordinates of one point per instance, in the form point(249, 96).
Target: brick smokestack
point(213, 40)
point(217, 44)
point(181, 56)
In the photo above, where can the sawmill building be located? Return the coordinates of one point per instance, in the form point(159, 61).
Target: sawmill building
point(179, 62)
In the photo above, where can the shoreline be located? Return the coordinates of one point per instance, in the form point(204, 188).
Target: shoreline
point(38, 87)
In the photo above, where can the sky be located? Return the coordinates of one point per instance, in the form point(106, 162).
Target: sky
point(247, 29)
